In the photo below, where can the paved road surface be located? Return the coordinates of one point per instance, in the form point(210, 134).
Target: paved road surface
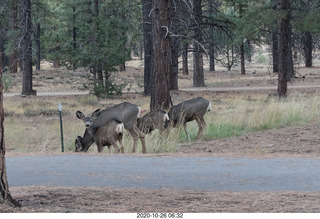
point(198, 173)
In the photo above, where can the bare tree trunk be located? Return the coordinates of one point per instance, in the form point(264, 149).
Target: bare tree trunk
point(275, 52)
point(211, 40)
point(283, 49)
point(275, 41)
point(38, 52)
point(5, 196)
point(174, 63)
point(243, 70)
point(14, 55)
point(26, 49)
point(74, 29)
point(174, 45)
point(308, 49)
point(249, 58)
point(185, 69)
point(198, 74)
point(160, 92)
point(147, 34)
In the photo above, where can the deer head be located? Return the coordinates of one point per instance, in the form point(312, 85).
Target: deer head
point(88, 120)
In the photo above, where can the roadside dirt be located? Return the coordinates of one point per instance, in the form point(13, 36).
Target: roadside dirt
point(285, 142)
point(301, 141)
point(114, 200)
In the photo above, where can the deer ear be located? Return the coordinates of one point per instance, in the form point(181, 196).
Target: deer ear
point(80, 115)
point(96, 113)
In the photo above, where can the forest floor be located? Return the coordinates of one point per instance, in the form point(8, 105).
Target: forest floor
point(283, 142)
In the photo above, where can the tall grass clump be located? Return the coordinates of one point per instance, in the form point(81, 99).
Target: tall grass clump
point(245, 115)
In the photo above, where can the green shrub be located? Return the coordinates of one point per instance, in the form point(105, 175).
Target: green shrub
point(7, 82)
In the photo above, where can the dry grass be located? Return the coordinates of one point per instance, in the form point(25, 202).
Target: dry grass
point(38, 119)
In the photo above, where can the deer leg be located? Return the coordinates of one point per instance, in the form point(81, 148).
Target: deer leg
point(115, 145)
point(142, 139)
point(135, 139)
point(201, 124)
point(100, 148)
point(185, 129)
point(121, 146)
point(109, 148)
point(120, 142)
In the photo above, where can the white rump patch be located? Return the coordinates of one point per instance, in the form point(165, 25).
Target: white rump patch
point(120, 128)
point(139, 113)
point(165, 117)
point(209, 107)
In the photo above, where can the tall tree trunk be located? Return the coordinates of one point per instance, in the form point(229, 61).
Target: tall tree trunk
point(284, 49)
point(38, 52)
point(174, 63)
point(249, 55)
point(211, 40)
point(275, 41)
point(174, 45)
point(97, 65)
point(243, 70)
point(147, 34)
point(26, 49)
point(5, 196)
point(275, 52)
point(198, 74)
point(74, 28)
point(185, 69)
point(308, 49)
point(14, 55)
point(160, 92)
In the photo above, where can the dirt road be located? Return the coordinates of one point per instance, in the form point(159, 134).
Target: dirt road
point(195, 173)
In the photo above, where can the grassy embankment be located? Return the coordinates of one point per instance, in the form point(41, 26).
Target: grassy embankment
point(32, 124)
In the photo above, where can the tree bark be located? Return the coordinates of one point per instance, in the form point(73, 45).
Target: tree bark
point(275, 52)
point(26, 49)
point(211, 40)
point(284, 49)
point(14, 55)
point(185, 69)
point(147, 34)
point(5, 196)
point(174, 44)
point(174, 63)
point(275, 41)
point(308, 49)
point(198, 74)
point(38, 52)
point(160, 92)
point(243, 69)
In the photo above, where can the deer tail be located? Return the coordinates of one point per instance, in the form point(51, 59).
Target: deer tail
point(166, 117)
point(209, 107)
point(120, 128)
point(139, 113)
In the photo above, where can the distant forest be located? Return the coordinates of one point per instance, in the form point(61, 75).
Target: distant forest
point(101, 35)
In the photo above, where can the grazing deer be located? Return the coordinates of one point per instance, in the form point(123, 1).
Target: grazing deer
point(193, 109)
point(125, 112)
point(153, 120)
point(105, 135)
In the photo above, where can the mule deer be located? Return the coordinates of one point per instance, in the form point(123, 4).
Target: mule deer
point(125, 112)
point(105, 135)
point(193, 109)
point(153, 120)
